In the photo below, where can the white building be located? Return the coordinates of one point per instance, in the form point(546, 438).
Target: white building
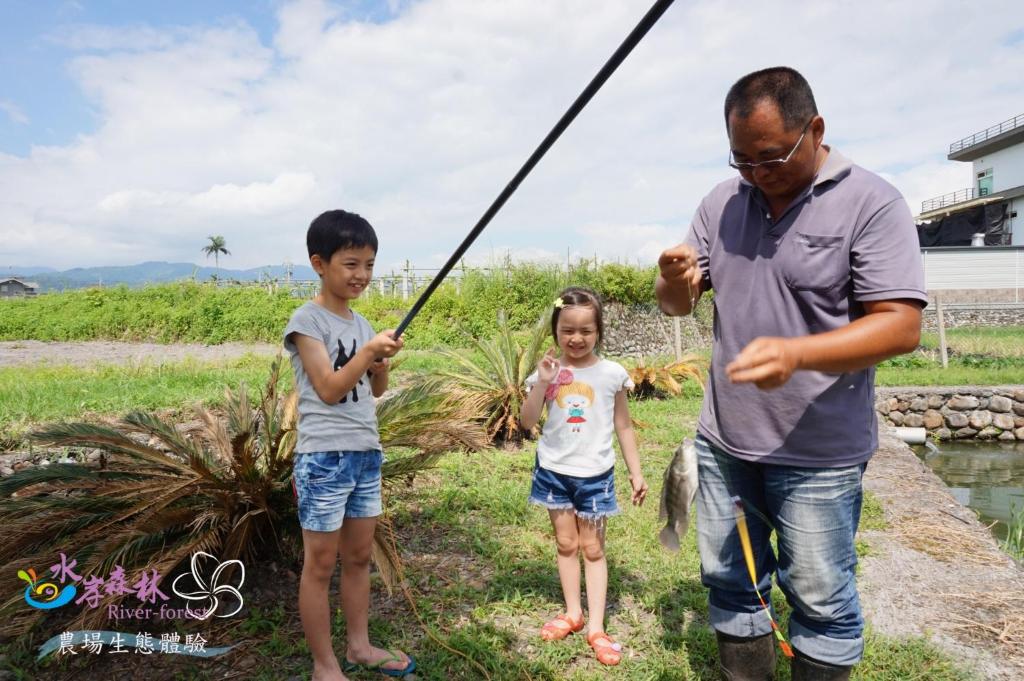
point(972, 239)
point(997, 157)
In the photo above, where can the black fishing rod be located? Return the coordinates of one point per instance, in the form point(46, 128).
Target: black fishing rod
point(631, 41)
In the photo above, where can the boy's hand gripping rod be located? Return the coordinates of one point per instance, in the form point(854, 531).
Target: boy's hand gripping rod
point(567, 118)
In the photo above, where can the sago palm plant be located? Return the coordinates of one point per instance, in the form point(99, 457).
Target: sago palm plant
point(652, 380)
point(162, 495)
point(491, 378)
point(159, 496)
point(417, 425)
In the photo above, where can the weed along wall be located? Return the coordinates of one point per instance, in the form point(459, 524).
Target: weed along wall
point(956, 413)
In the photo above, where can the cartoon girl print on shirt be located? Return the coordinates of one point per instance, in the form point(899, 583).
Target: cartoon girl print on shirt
point(575, 398)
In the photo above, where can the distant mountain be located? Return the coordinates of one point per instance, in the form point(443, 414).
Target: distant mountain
point(24, 271)
point(150, 273)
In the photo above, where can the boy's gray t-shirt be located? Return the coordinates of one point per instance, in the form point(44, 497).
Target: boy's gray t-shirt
point(351, 424)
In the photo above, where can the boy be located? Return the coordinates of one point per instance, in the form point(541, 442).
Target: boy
point(340, 366)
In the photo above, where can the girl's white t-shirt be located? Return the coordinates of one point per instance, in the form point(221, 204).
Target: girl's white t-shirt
point(577, 436)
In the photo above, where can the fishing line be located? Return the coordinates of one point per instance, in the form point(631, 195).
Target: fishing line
point(748, 555)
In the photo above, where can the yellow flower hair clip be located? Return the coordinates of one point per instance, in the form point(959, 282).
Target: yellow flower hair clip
point(559, 303)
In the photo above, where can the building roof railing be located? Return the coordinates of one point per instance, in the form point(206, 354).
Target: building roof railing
point(986, 134)
point(952, 198)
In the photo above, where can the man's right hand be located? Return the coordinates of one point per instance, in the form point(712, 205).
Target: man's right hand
point(681, 279)
point(679, 267)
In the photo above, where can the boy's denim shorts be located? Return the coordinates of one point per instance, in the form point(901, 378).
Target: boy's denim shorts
point(332, 486)
point(592, 498)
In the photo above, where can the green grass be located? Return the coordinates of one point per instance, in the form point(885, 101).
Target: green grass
point(479, 559)
point(999, 341)
point(1013, 544)
point(206, 313)
point(36, 394)
point(924, 368)
point(977, 356)
point(954, 375)
point(872, 517)
point(491, 579)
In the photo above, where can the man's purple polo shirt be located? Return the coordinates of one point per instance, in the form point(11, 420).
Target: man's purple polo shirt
point(848, 239)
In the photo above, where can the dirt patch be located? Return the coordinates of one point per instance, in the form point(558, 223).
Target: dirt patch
point(23, 353)
point(936, 571)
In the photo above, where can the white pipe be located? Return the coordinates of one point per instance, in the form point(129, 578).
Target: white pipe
point(912, 436)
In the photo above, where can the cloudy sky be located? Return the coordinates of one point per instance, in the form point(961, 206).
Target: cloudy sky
point(130, 131)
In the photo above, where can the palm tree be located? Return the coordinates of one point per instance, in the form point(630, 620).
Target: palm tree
point(215, 248)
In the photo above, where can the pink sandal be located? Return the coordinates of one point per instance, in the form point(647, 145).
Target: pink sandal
point(607, 650)
point(560, 627)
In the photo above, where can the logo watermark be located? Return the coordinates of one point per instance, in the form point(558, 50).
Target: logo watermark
point(45, 595)
point(211, 588)
point(88, 642)
point(212, 584)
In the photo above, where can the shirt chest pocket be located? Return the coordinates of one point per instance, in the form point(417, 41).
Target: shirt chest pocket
point(815, 262)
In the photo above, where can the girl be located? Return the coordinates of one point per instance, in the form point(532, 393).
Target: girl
point(574, 474)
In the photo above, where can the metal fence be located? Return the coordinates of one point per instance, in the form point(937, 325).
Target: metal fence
point(988, 133)
point(968, 194)
point(404, 283)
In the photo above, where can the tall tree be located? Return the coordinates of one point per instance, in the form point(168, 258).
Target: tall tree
point(215, 248)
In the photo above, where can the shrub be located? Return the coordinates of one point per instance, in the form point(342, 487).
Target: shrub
point(207, 313)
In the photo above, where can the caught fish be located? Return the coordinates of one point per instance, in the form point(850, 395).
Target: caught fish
point(677, 493)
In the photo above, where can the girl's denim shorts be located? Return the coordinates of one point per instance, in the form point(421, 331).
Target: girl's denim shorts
point(592, 498)
point(332, 486)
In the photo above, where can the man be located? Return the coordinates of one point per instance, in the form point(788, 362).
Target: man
point(817, 277)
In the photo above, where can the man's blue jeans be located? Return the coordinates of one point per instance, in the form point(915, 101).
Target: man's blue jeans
point(814, 512)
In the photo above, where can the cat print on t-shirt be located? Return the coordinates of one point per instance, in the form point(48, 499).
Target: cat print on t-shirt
point(342, 360)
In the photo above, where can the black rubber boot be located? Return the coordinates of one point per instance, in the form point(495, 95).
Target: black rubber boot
point(806, 669)
point(746, 659)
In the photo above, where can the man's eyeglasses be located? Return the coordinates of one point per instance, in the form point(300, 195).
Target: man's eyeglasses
point(775, 162)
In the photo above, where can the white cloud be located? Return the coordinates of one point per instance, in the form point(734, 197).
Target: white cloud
point(628, 243)
point(84, 37)
point(256, 198)
point(929, 180)
point(420, 121)
point(13, 112)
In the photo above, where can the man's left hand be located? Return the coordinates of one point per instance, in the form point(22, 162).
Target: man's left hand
point(766, 362)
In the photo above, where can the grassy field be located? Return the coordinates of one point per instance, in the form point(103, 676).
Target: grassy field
point(955, 374)
point(480, 563)
point(37, 394)
point(471, 511)
point(999, 341)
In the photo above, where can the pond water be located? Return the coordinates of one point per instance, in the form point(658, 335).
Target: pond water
point(985, 476)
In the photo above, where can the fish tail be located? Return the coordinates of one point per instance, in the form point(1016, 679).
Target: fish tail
point(668, 538)
point(682, 525)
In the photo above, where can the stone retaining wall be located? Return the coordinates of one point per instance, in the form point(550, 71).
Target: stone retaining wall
point(982, 413)
point(954, 317)
point(634, 331)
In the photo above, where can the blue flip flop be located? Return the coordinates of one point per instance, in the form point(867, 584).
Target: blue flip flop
point(349, 667)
